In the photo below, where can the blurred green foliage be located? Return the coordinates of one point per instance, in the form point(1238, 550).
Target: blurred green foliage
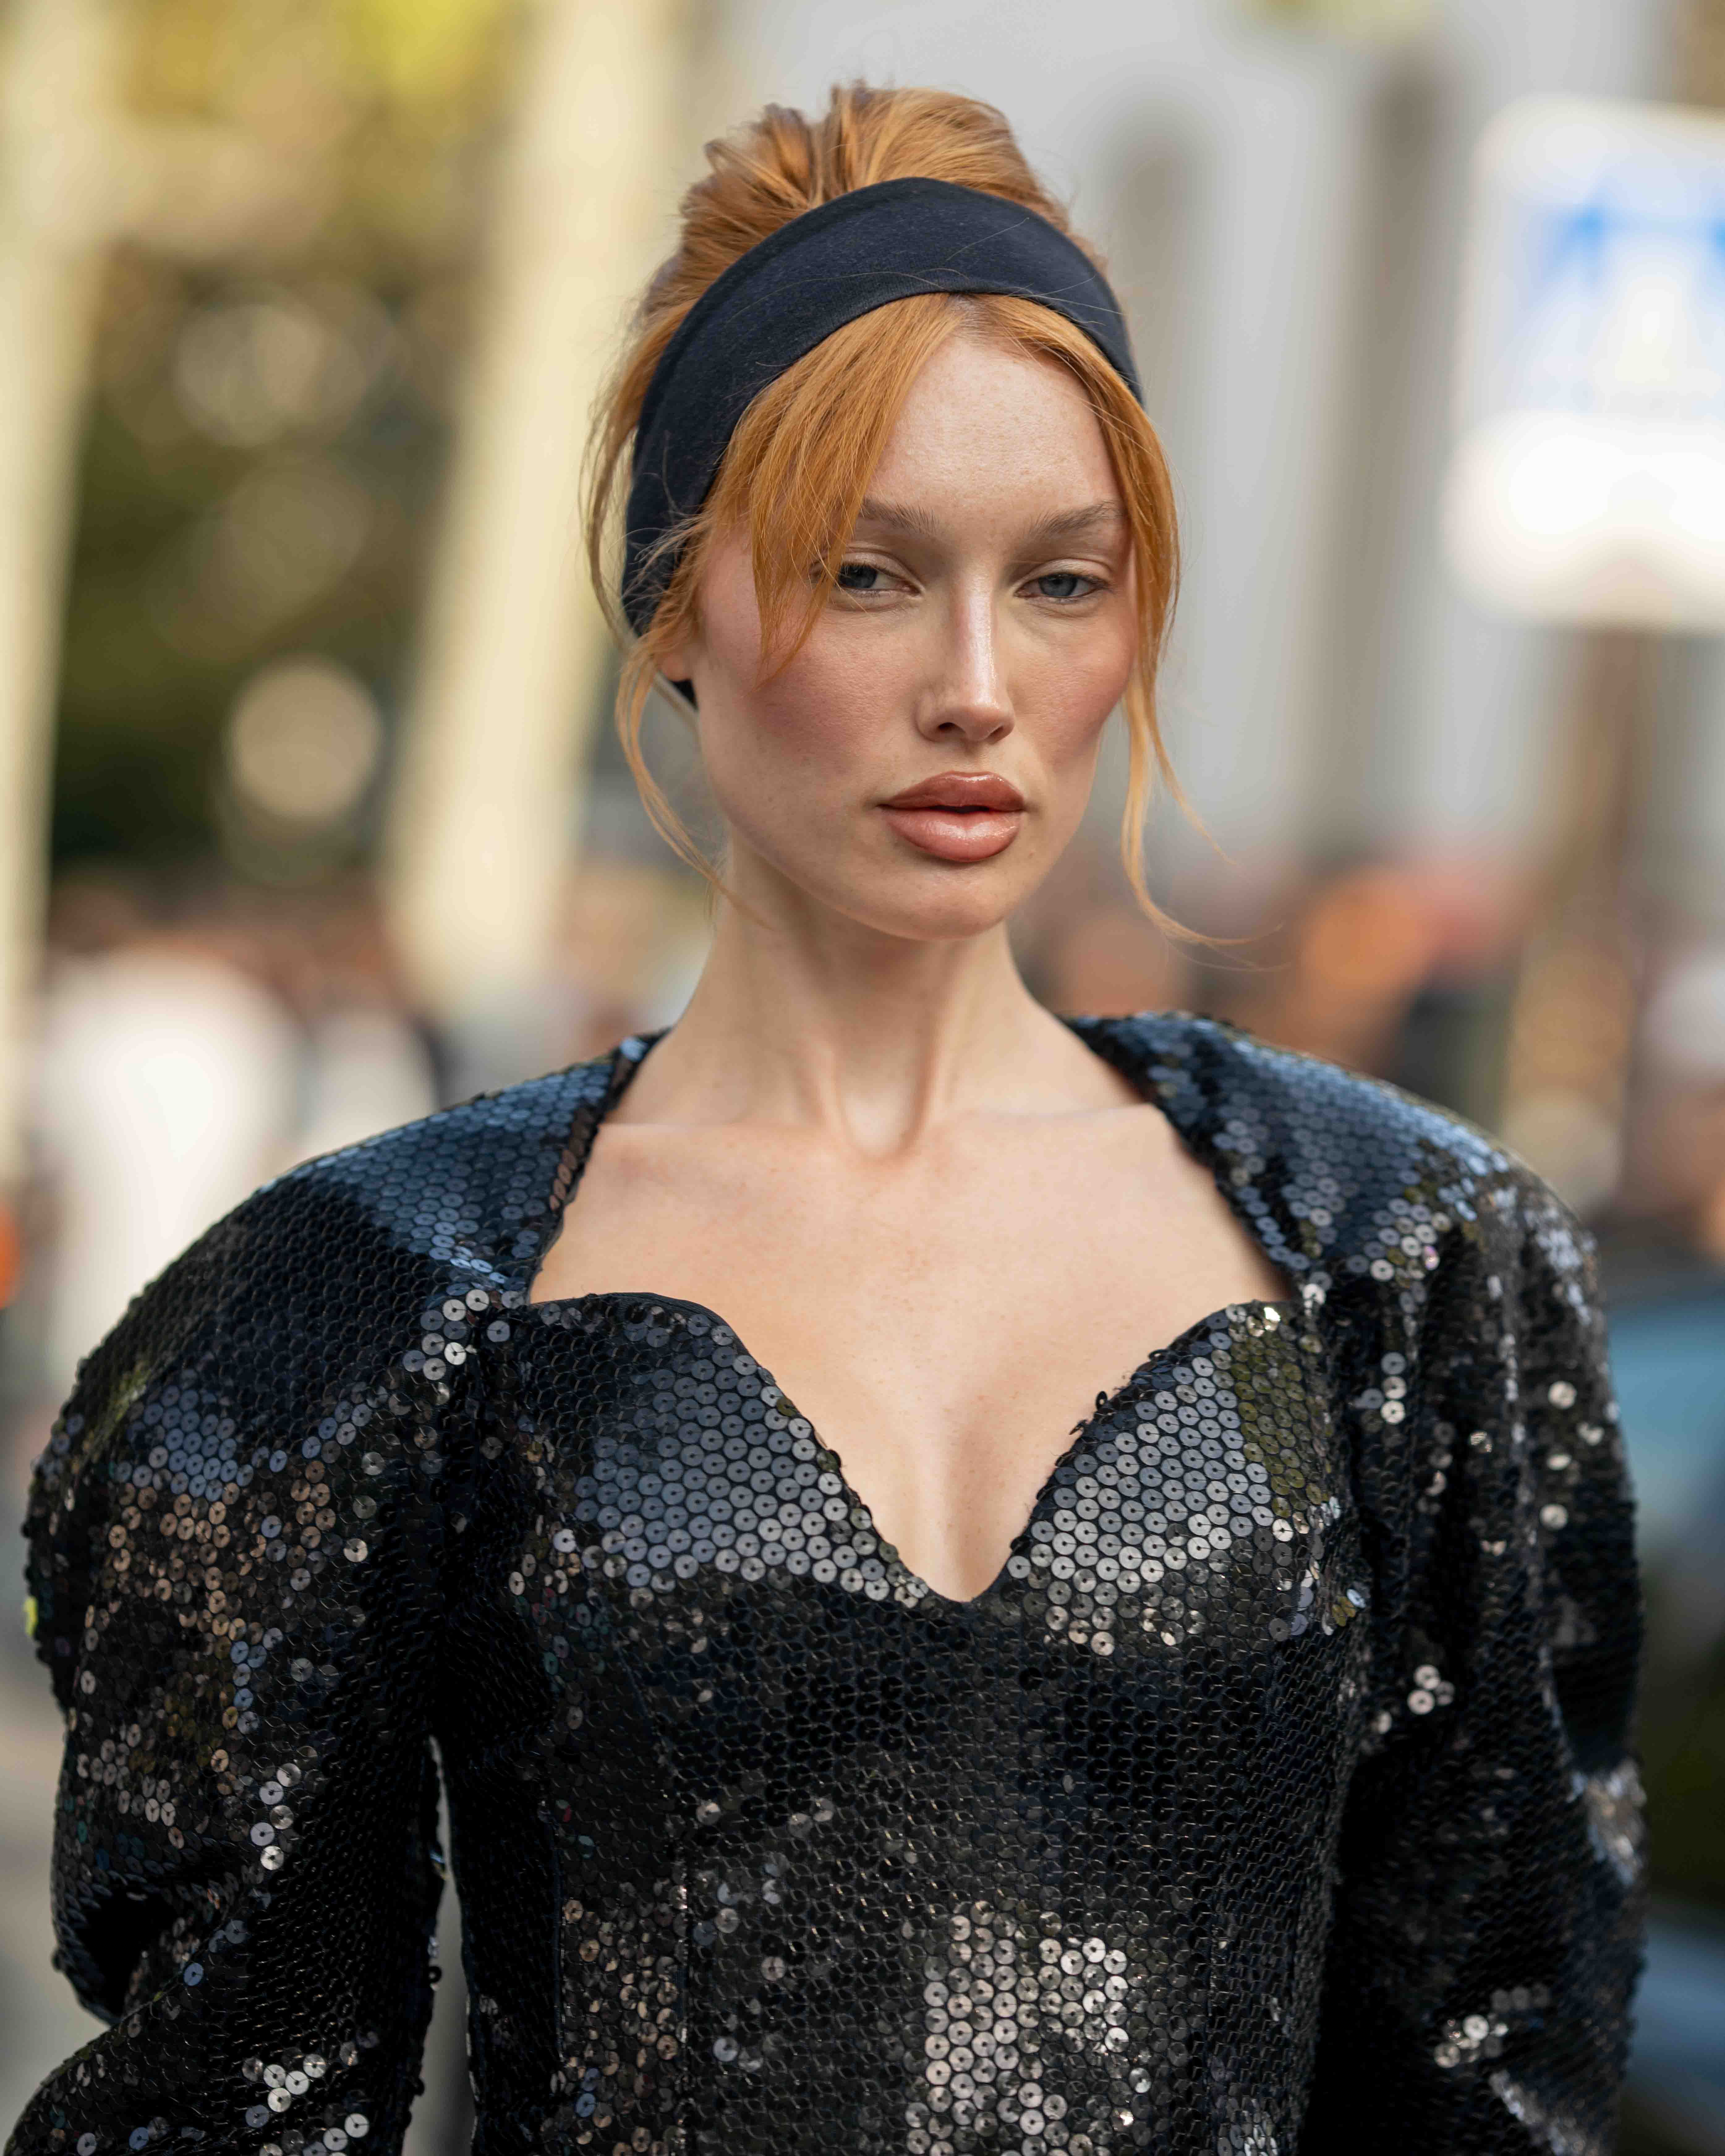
point(280, 334)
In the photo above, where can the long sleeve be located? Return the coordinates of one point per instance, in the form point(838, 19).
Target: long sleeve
point(233, 1542)
point(1490, 1899)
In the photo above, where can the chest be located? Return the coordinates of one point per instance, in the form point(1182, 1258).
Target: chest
point(660, 1449)
point(945, 1327)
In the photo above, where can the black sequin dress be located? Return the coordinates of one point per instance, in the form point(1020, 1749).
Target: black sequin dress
point(1278, 1796)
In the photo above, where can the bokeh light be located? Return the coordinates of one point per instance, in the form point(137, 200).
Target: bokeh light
point(303, 741)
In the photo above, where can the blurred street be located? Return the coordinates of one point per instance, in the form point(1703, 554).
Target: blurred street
point(313, 817)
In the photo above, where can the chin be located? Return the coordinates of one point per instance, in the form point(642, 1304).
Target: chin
point(922, 900)
point(916, 907)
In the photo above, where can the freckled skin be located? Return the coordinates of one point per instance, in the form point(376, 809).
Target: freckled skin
point(959, 662)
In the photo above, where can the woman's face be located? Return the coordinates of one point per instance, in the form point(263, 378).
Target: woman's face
point(983, 629)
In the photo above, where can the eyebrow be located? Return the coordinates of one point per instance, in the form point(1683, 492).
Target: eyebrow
point(1070, 524)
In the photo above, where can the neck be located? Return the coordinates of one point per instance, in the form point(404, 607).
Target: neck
point(873, 1040)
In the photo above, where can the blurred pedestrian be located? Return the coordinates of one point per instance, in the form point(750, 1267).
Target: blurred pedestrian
point(167, 1086)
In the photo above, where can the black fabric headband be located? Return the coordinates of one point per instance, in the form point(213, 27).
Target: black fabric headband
point(856, 252)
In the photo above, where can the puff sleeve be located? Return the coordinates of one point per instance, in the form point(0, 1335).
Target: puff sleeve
point(233, 1541)
point(1489, 1895)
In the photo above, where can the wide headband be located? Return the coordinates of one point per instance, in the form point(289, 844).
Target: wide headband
point(860, 251)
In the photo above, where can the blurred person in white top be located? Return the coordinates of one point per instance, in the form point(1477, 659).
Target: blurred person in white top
point(167, 1088)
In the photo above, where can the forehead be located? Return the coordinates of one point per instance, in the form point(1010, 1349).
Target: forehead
point(987, 422)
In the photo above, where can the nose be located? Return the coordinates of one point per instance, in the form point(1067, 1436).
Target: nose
point(966, 693)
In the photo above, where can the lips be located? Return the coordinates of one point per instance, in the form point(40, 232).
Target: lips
point(959, 789)
point(957, 815)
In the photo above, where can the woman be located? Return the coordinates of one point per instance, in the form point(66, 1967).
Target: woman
point(980, 1580)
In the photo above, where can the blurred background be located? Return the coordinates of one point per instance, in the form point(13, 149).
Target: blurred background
point(311, 817)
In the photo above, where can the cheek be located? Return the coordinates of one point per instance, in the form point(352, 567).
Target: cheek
point(1075, 692)
point(820, 718)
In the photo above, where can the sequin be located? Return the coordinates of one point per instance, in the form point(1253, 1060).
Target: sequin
point(1277, 1796)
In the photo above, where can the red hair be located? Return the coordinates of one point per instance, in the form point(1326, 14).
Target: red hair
point(797, 466)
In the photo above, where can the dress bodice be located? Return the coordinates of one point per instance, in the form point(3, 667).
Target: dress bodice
point(1277, 1795)
point(927, 1868)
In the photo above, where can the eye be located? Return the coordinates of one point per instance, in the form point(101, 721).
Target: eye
point(863, 579)
point(1063, 586)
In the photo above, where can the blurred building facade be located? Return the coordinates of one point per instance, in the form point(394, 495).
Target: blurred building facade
point(1281, 200)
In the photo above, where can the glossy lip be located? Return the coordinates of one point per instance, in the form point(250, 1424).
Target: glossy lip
point(959, 816)
point(962, 790)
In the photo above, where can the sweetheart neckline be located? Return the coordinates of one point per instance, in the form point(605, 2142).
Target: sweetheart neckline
point(1107, 1403)
point(625, 1060)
